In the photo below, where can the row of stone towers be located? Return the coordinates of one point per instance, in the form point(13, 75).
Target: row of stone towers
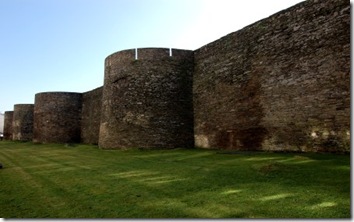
point(54, 118)
point(146, 101)
point(282, 83)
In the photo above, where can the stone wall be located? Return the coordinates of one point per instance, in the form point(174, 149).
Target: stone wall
point(91, 116)
point(147, 102)
point(22, 123)
point(282, 83)
point(8, 125)
point(57, 117)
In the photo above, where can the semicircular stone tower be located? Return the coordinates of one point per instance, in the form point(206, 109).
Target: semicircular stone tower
point(22, 124)
point(8, 118)
point(57, 117)
point(147, 99)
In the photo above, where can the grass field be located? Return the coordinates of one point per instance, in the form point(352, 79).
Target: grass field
point(58, 181)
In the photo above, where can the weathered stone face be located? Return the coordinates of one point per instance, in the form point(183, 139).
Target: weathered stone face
point(8, 118)
point(91, 116)
point(22, 124)
point(57, 117)
point(147, 102)
point(281, 83)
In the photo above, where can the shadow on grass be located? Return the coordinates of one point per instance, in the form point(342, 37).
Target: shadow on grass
point(60, 182)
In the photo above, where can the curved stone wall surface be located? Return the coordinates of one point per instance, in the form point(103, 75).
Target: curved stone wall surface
point(22, 124)
point(8, 118)
point(147, 102)
point(57, 117)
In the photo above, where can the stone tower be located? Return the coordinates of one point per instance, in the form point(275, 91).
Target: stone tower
point(147, 99)
point(22, 124)
point(8, 125)
point(57, 117)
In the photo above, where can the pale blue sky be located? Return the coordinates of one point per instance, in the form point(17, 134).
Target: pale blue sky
point(60, 45)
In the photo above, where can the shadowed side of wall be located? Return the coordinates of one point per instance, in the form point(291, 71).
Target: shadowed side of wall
point(8, 118)
point(147, 102)
point(57, 117)
point(22, 123)
point(91, 116)
point(282, 83)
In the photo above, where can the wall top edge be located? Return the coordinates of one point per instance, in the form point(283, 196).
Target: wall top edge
point(276, 16)
point(25, 104)
point(59, 93)
point(149, 52)
point(93, 90)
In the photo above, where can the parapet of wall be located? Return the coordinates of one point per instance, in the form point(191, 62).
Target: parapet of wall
point(147, 102)
point(8, 125)
point(280, 83)
point(91, 116)
point(57, 117)
point(22, 123)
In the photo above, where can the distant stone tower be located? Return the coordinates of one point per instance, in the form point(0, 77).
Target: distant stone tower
point(22, 124)
point(57, 117)
point(147, 99)
point(8, 125)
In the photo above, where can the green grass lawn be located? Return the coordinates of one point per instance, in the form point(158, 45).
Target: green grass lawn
point(58, 181)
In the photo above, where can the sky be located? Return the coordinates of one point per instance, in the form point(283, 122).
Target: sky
point(60, 45)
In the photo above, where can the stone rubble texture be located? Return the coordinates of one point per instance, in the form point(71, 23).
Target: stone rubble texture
point(91, 116)
point(8, 117)
point(57, 117)
point(147, 103)
point(22, 123)
point(282, 83)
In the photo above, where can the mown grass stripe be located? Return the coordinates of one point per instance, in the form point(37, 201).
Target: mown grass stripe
point(56, 181)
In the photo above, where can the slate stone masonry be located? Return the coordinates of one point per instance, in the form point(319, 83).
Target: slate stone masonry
point(22, 123)
point(91, 116)
point(57, 117)
point(8, 117)
point(147, 102)
point(282, 83)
